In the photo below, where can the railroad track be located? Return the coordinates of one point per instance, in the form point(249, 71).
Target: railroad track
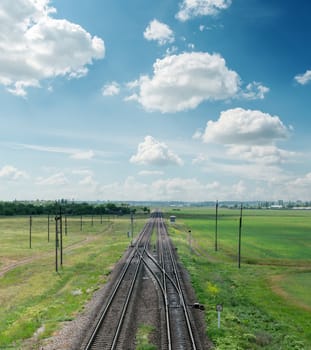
point(176, 328)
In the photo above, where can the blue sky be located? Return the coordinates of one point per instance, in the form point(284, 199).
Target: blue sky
point(155, 100)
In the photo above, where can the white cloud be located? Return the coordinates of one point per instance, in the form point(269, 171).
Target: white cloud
point(83, 172)
point(111, 89)
point(244, 127)
point(151, 151)
point(183, 81)
point(252, 171)
point(303, 79)
point(197, 134)
point(269, 154)
point(83, 155)
point(302, 182)
point(159, 32)
point(11, 173)
point(164, 189)
point(193, 8)
point(88, 181)
point(150, 173)
point(35, 46)
point(177, 188)
point(200, 158)
point(191, 189)
point(126, 190)
point(254, 91)
point(53, 180)
point(72, 152)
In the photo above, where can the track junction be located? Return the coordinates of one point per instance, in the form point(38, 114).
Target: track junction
point(150, 288)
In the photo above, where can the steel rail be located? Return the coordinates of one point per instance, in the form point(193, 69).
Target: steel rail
point(167, 311)
point(180, 291)
point(130, 292)
point(117, 286)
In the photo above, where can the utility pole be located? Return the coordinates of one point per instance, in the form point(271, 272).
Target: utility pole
point(48, 227)
point(132, 226)
point(30, 229)
point(61, 235)
point(66, 226)
point(56, 243)
point(240, 232)
point(58, 239)
point(216, 227)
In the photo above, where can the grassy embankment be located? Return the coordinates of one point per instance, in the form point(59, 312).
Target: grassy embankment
point(34, 299)
point(267, 302)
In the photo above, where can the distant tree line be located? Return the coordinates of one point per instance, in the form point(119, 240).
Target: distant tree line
point(67, 207)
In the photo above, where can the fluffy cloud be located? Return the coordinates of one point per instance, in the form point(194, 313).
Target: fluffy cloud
point(264, 154)
point(11, 173)
point(183, 81)
point(245, 127)
point(111, 89)
point(159, 32)
point(193, 8)
point(151, 151)
point(303, 79)
point(34, 46)
point(254, 91)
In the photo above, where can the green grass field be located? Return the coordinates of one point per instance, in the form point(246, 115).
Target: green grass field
point(267, 302)
point(32, 295)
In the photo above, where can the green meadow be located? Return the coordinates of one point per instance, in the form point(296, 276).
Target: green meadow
point(267, 301)
point(35, 299)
